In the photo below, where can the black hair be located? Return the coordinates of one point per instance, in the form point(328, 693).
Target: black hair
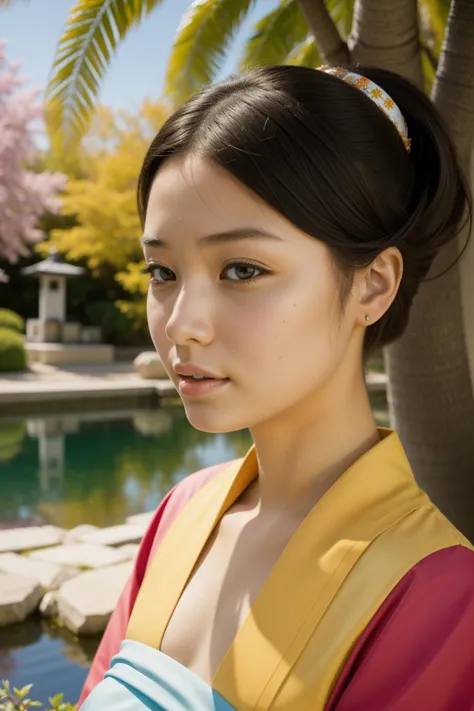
point(321, 153)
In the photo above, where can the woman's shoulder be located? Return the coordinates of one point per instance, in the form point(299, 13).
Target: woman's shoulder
point(417, 651)
point(446, 572)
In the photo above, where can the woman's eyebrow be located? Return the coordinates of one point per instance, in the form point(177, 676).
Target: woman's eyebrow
point(218, 237)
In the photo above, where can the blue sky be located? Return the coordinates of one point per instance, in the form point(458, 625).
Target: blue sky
point(32, 29)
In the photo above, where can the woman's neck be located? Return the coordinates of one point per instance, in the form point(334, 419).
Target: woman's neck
point(301, 455)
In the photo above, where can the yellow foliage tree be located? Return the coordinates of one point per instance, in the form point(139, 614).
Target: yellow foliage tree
point(103, 200)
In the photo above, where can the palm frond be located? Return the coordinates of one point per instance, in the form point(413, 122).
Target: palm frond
point(306, 54)
point(433, 18)
point(274, 36)
point(342, 12)
point(7, 3)
point(200, 46)
point(428, 69)
point(93, 30)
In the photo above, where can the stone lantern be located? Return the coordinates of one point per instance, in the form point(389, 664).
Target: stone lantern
point(51, 325)
point(51, 338)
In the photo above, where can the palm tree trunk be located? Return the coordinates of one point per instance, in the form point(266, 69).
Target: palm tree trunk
point(331, 46)
point(453, 89)
point(431, 399)
point(385, 34)
point(430, 392)
point(430, 386)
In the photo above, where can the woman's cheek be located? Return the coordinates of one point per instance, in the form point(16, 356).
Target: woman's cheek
point(154, 318)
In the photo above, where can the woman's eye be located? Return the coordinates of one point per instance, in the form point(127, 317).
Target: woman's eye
point(241, 269)
point(245, 268)
point(156, 271)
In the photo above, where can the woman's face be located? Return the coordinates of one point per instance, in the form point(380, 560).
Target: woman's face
point(280, 338)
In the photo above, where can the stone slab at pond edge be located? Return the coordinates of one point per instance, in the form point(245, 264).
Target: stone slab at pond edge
point(75, 535)
point(86, 603)
point(117, 535)
point(16, 540)
point(129, 549)
point(82, 555)
point(48, 575)
point(141, 518)
point(19, 596)
point(49, 604)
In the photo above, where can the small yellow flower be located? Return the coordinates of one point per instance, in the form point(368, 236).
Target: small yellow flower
point(388, 103)
point(362, 83)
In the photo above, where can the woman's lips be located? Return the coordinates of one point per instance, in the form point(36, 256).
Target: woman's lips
point(194, 388)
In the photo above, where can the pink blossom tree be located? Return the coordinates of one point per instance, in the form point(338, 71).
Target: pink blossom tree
point(24, 193)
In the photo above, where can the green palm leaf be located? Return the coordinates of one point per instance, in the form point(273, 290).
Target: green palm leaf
point(433, 19)
point(275, 36)
point(6, 3)
point(429, 71)
point(306, 54)
point(199, 50)
point(342, 12)
point(93, 30)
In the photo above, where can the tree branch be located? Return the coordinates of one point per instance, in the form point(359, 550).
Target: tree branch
point(385, 34)
point(331, 46)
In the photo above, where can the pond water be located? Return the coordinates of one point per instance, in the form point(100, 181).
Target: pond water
point(100, 467)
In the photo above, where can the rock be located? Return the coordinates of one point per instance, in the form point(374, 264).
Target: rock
point(86, 602)
point(19, 596)
point(15, 540)
point(141, 518)
point(81, 555)
point(48, 575)
point(49, 604)
point(75, 535)
point(130, 549)
point(117, 535)
point(149, 365)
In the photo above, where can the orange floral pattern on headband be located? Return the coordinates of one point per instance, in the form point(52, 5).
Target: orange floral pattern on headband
point(378, 95)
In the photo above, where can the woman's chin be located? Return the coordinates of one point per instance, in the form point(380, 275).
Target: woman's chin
point(213, 421)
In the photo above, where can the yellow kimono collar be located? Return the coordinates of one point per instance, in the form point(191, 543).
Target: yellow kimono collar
point(375, 492)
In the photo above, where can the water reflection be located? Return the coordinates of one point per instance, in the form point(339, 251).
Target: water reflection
point(50, 658)
point(100, 467)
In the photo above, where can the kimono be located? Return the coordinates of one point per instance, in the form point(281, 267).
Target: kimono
point(370, 607)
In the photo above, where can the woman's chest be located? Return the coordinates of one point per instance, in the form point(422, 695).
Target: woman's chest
point(229, 574)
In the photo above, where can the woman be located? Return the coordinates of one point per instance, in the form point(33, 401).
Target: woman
point(289, 218)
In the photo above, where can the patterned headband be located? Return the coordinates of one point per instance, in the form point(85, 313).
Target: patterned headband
point(378, 96)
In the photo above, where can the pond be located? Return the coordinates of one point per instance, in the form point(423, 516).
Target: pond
point(99, 467)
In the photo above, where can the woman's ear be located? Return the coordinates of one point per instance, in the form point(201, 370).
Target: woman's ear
point(378, 285)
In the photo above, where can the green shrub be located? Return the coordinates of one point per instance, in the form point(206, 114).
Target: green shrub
point(11, 440)
point(9, 319)
point(16, 699)
point(117, 327)
point(12, 351)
